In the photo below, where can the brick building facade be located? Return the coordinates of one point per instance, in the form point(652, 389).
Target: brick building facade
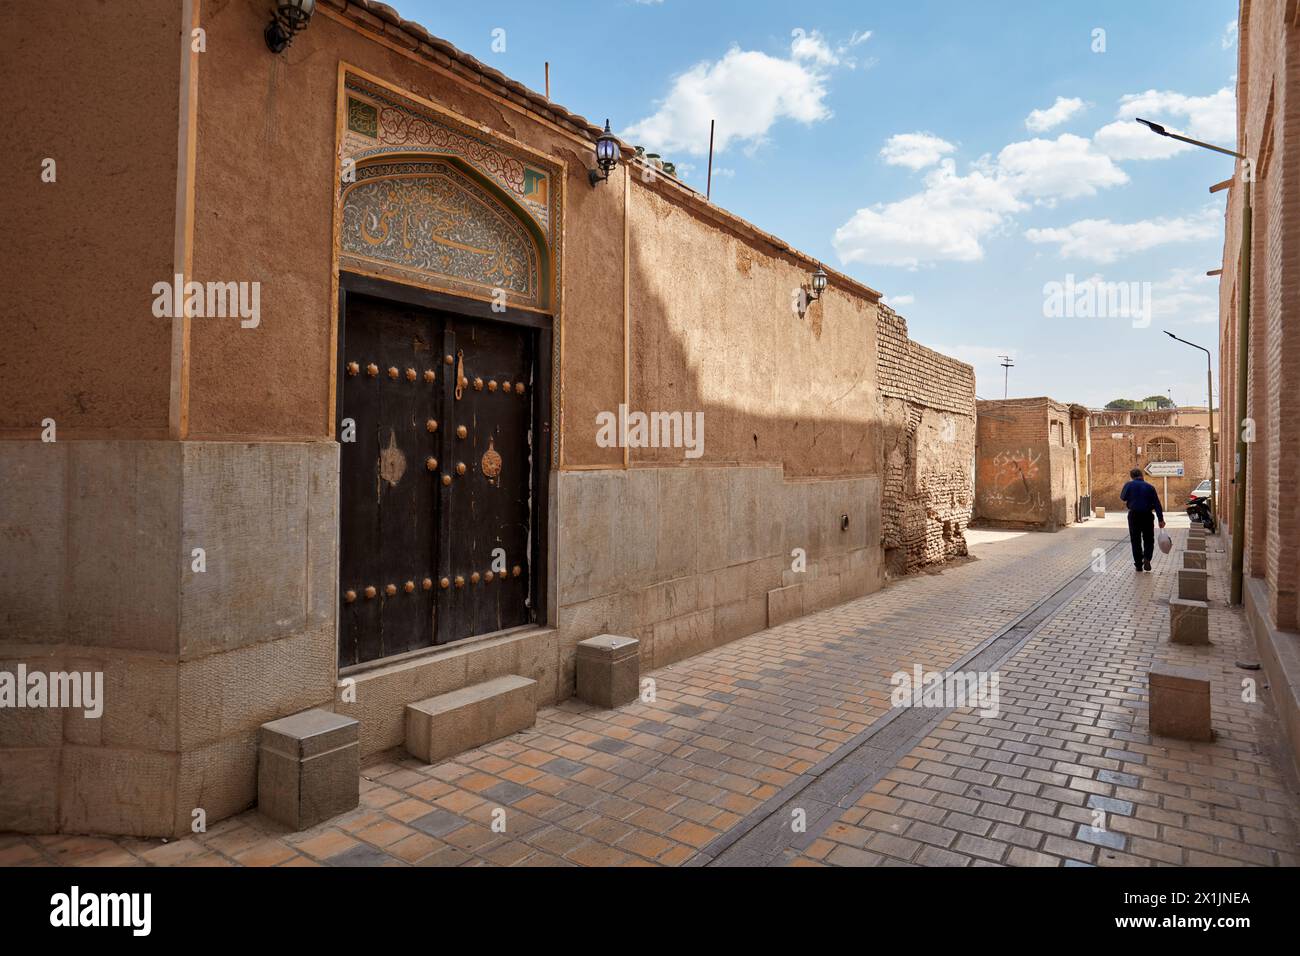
point(1031, 463)
point(178, 433)
point(1119, 448)
point(1268, 133)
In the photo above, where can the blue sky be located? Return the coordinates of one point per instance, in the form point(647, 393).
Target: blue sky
point(958, 157)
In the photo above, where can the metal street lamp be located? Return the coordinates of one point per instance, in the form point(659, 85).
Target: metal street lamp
point(606, 156)
point(1243, 352)
point(290, 18)
point(1209, 384)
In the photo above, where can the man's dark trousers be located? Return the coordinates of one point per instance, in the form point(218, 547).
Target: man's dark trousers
point(1142, 535)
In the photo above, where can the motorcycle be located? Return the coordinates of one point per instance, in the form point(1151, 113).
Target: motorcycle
point(1198, 509)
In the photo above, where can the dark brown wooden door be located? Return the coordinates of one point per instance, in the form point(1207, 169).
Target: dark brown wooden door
point(436, 488)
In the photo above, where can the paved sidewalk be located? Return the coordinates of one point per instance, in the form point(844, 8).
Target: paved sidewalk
point(736, 734)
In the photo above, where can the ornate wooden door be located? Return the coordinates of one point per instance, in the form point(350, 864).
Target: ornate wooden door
point(436, 487)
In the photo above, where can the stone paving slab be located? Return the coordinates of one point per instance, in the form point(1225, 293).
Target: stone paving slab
point(1068, 773)
point(729, 730)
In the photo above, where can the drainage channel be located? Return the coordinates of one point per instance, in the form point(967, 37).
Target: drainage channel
point(835, 784)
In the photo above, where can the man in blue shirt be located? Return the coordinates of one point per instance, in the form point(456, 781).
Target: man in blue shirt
point(1143, 508)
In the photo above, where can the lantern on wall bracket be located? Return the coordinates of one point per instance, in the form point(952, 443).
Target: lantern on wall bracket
point(290, 18)
point(606, 156)
point(818, 284)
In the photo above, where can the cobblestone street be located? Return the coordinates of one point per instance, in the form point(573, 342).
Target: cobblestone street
point(796, 722)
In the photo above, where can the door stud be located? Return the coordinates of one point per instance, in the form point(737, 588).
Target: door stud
point(370, 592)
point(350, 596)
point(461, 431)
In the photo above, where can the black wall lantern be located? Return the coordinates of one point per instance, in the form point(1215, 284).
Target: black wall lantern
point(290, 18)
point(818, 284)
point(606, 156)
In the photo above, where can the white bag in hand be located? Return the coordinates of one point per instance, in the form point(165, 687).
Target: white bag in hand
point(1164, 542)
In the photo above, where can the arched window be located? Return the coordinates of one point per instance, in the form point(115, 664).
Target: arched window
point(1162, 449)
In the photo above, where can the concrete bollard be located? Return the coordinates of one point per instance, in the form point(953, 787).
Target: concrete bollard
point(609, 670)
point(1099, 512)
point(1180, 702)
point(1194, 560)
point(1193, 585)
point(1189, 622)
point(308, 768)
point(1196, 544)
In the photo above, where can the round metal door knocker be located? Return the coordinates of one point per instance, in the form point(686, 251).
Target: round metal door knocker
point(491, 461)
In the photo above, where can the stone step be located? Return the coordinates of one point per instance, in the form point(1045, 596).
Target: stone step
point(443, 726)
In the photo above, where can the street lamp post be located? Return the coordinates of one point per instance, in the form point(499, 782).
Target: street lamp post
point(1209, 384)
point(1243, 352)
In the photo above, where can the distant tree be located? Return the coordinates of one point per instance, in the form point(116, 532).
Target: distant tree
point(1123, 405)
point(1161, 401)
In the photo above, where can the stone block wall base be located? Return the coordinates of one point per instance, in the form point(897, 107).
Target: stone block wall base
point(1279, 653)
point(1180, 702)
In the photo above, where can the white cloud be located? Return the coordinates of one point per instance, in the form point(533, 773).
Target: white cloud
point(1066, 167)
point(1126, 139)
point(945, 221)
point(746, 91)
point(1040, 121)
point(950, 218)
point(1100, 240)
point(811, 46)
point(915, 150)
point(1212, 118)
point(1187, 297)
point(1229, 39)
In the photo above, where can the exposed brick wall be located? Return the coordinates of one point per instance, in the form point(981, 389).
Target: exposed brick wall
point(928, 405)
point(1268, 131)
point(920, 375)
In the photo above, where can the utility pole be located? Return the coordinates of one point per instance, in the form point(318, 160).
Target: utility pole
point(708, 186)
point(1007, 366)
